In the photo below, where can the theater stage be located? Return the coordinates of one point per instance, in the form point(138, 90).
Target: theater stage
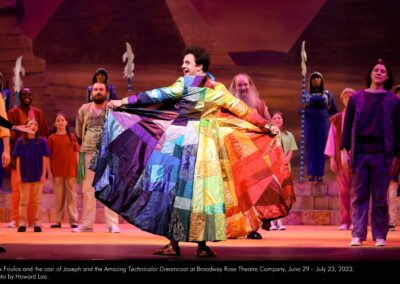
point(297, 243)
point(300, 251)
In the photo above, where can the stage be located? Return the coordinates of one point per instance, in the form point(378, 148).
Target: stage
point(297, 243)
point(299, 249)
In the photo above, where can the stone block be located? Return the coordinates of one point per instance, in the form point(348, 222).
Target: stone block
point(315, 217)
point(303, 203)
point(302, 189)
point(333, 189)
point(4, 214)
point(334, 203)
point(321, 202)
point(294, 218)
point(4, 200)
point(319, 189)
point(335, 217)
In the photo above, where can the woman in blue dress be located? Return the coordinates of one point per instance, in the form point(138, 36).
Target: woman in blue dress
point(320, 104)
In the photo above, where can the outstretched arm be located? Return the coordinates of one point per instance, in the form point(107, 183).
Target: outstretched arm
point(22, 128)
point(151, 97)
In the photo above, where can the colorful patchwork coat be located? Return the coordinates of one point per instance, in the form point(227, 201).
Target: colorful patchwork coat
point(191, 172)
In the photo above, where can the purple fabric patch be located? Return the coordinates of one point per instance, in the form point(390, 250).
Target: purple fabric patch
point(126, 121)
point(132, 99)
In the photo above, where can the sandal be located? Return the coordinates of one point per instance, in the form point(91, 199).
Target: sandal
point(205, 252)
point(168, 250)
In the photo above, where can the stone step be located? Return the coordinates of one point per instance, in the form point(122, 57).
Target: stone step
point(317, 209)
point(313, 217)
point(316, 204)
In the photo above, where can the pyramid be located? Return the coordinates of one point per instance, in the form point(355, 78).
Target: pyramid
point(351, 33)
point(13, 45)
point(88, 31)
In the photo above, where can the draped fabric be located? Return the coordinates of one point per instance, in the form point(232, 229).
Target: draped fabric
point(257, 175)
point(188, 171)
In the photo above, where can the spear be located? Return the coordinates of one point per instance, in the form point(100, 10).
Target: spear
point(302, 111)
point(130, 66)
point(18, 69)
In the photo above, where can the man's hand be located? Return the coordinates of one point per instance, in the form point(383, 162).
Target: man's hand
point(113, 104)
point(346, 160)
point(275, 130)
point(5, 159)
point(23, 128)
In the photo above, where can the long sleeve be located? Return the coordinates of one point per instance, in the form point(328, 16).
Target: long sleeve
point(4, 131)
point(348, 125)
point(155, 96)
point(332, 104)
point(396, 129)
point(79, 123)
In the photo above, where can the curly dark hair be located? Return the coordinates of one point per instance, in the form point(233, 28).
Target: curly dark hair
point(201, 56)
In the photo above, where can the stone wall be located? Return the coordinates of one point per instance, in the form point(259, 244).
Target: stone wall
point(316, 204)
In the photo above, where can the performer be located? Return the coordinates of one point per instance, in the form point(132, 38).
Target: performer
point(31, 152)
point(343, 174)
point(17, 116)
point(289, 145)
point(394, 188)
point(101, 75)
point(243, 87)
point(371, 135)
point(5, 140)
point(62, 169)
point(393, 191)
point(88, 125)
point(320, 103)
point(5, 92)
point(176, 173)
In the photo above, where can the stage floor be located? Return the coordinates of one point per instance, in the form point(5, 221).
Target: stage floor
point(297, 243)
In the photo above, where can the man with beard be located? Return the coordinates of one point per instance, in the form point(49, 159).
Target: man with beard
point(89, 125)
point(18, 116)
point(243, 88)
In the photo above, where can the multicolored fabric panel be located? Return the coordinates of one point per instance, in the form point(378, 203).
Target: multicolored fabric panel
point(256, 172)
point(183, 171)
